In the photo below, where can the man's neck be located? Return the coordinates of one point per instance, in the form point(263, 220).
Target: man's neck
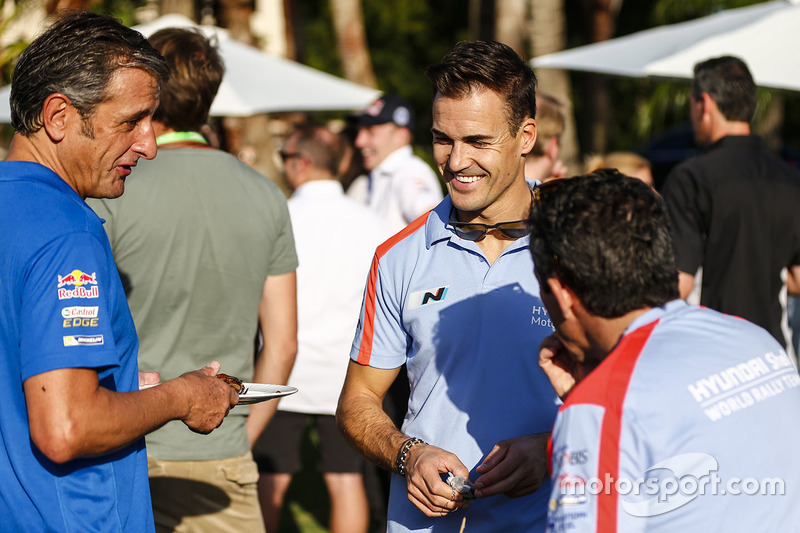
point(514, 204)
point(605, 333)
point(30, 149)
point(729, 128)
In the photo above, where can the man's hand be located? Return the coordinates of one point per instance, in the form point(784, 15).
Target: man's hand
point(424, 468)
point(209, 398)
point(561, 368)
point(515, 467)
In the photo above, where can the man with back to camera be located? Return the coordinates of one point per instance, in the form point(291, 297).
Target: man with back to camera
point(734, 208)
point(667, 406)
point(205, 246)
point(73, 419)
point(452, 298)
point(400, 186)
point(330, 281)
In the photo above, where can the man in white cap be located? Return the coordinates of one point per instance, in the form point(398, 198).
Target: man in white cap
point(400, 186)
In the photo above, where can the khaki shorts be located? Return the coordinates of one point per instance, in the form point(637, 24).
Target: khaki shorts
point(205, 496)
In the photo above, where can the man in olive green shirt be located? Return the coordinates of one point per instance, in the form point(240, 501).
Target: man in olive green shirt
point(205, 249)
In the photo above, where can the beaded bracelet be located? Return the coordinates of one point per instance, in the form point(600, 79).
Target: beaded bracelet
point(402, 454)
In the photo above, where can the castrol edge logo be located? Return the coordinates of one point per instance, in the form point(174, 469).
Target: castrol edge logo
point(80, 312)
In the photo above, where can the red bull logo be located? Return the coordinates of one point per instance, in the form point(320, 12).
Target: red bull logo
point(79, 280)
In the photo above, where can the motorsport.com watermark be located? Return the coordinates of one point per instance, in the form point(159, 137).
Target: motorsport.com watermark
point(692, 475)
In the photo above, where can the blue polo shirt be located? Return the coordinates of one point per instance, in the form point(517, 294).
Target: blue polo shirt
point(469, 333)
point(63, 307)
point(689, 424)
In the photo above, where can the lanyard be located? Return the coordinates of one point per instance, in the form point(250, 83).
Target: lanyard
point(180, 136)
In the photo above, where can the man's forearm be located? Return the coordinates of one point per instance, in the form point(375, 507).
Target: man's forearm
point(72, 416)
point(370, 430)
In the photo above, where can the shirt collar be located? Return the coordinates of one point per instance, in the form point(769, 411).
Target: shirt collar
point(328, 187)
point(654, 313)
point(40, 173)
point(394, 161)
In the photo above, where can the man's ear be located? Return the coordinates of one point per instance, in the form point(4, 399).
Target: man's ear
point(709, 105)
point(564, 297)
point(57, 111)
point(528, 132)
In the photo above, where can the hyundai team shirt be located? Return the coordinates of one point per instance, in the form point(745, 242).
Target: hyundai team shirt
point(689, 424)
point(469, 334)
point(63, 307)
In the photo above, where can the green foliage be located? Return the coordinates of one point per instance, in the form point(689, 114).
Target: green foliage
point(404, 37)
point(124, 10)
point(671, 11)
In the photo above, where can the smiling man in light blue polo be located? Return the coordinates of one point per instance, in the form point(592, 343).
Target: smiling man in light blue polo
point(452, 297)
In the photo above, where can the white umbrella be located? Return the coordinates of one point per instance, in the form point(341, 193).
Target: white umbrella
point(256, 82)
point(763, 35)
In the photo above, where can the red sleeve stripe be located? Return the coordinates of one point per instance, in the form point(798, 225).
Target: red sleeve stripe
point(607, 387)
point(618, 378)
point(365, 348)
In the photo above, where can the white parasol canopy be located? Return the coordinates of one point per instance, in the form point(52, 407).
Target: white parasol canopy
point(763, 35)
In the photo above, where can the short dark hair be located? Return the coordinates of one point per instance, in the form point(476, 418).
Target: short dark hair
point(492, 65)
point(606, 236)
point(196, 71)
point(76, 56)
point(322, 147)
point(728, 82)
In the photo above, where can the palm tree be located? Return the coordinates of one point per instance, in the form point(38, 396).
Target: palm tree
point(348, 23)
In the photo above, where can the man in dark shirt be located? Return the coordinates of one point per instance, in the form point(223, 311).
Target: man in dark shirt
point(734, 209)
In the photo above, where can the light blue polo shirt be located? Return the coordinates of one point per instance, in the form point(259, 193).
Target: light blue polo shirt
point(689, 424)
point(63, 306)
point(469, 333)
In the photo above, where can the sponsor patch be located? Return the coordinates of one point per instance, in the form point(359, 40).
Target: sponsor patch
point(80, 312)
point(80, 322)
point(79, 281)
point(83, 340)
point(427, 296)
point(78, 292)
point(77, 278)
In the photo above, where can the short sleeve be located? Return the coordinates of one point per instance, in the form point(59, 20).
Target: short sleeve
point(380, 340)
point(65, 319)
point(682, 195)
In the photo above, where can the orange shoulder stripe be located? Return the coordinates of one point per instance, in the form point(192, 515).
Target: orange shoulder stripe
point(365, 348)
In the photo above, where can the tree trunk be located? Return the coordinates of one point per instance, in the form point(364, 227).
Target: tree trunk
point(351, 37)
point(602, 26)
point(509, 23)
point(181, 7)
point(547, 34)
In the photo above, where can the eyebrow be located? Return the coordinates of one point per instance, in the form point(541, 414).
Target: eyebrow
point(137, 116)
point(468, 138)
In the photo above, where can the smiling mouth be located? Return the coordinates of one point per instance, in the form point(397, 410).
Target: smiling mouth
point(467, 179)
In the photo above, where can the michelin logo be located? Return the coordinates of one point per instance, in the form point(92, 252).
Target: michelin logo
point(83, 340)
point(427, 296)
